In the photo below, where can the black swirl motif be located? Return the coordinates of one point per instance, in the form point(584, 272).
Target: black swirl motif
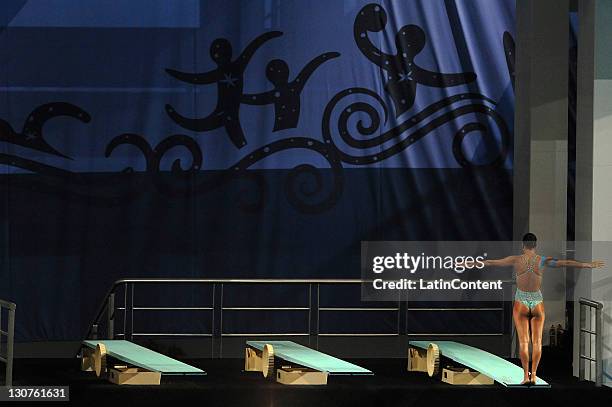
point(103, 191)
point(32, 135)
point(403, 142)
point(305, 185)
point(305, 199)
point(181, 177)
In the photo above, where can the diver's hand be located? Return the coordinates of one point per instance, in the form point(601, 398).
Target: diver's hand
point(597, 264)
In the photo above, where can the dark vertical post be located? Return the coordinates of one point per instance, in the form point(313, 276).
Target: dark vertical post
point(132, 313)
point(125, 307)
point(317, 312)
point(309, 311)
point(9, 346)
point(221, 322)
point(598, 346)
point(581, 346)
point(110, 313)
point(212, 322)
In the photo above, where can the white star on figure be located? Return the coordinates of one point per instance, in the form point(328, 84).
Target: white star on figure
point(30, 135)
point(406, 76)
point(229, 80)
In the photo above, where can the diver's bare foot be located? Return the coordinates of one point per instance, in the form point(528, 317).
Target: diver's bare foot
point(526, 379)
point(534, 378)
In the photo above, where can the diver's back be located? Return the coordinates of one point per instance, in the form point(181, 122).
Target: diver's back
point(528, 273)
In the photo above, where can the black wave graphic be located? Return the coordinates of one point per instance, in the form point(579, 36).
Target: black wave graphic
point(304, 199)
point(476, 106)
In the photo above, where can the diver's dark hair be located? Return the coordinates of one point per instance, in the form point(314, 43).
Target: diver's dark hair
point(529, 240)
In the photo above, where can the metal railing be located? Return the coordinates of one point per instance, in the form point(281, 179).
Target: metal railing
point(218, 308)
point(595, 360)
point(10, 334)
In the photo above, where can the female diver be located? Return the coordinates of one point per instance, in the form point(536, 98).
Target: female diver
point(528, 310)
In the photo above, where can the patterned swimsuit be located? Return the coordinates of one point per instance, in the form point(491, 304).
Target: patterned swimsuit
point(529, 298)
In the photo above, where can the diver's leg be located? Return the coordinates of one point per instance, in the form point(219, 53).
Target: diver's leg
point(520, 314)
point(537, 327)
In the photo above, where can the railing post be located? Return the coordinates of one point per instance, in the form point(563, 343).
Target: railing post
point(212, 322)
point(318, 313)
point(110, 312)
point(125, 308)
point(598, 333)
point(9, 346)
point(221, 321)
point(399, 314)
point(309, 311)
point(598, 347)
point(581, 342)
point(132, 313)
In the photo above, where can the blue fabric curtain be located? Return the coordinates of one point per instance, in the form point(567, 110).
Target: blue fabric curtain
point(228, 138)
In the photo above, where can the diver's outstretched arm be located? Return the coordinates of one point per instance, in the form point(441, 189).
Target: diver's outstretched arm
point(596, 264)
point(506, 261)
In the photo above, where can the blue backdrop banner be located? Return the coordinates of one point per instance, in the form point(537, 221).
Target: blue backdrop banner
point(223, 138)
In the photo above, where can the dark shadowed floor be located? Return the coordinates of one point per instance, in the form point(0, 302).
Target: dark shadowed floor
point(227, 385)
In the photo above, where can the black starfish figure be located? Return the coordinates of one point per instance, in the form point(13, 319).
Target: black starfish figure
point(403, 74)
point(229, 79)
point(286, 95)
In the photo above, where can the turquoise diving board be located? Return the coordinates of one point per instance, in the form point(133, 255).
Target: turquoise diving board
point(144, 358)
point(301, 355)
point(498, 369)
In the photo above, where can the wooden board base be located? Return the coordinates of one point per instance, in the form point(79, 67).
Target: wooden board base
point(462, 376)
point(417, 360)
point(291, 375)
point(87, 360)
point(133, 376)
point(252, 360)
point(301, 376)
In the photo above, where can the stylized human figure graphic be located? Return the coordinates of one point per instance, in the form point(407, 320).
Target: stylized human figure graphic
point(403, 74)
point(229, 79)
point(528, 311)
point(286, 95)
